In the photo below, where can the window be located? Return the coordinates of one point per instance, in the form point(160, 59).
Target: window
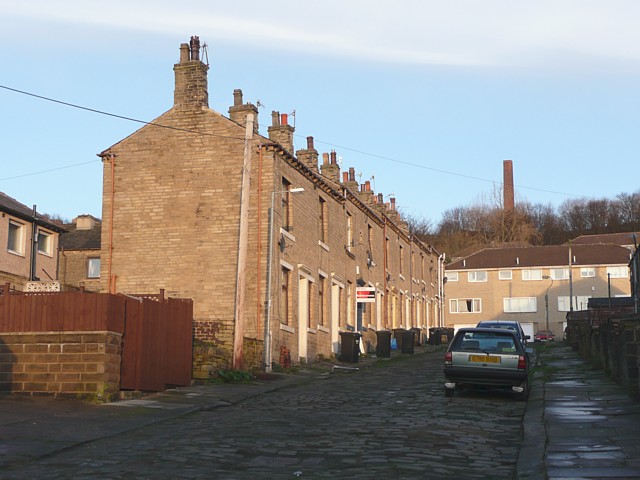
point(451, 276)
point(321, 300)
point(579, 302)
point(93, 268)
point(477, 276)
point(401, 253)
point(535, 274)
point(350, 303)
point(370, 262)
point(285, 280)
point(587, 272)
point(349, 232)
point(520, 304)
point(465, 305)
point(618, 272)
point(309, 305)
point(505, 274)
point(322, 219)
point(286, 204)
point(15, 243)
point(44, 242)
point(559, 273)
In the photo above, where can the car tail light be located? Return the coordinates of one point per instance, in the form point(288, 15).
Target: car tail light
point(448, 359)
point(522, 363)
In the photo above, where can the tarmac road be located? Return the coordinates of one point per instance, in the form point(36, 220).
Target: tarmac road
point(389, 420)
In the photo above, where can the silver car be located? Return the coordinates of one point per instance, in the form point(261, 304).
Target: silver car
point(487, 357)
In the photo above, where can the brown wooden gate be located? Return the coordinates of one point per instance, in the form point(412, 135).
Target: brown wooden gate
point(157, 344)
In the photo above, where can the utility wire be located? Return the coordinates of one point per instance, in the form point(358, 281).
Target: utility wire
point(48, 171)
point(446, 172)
point(101, 112)
point(361, 152)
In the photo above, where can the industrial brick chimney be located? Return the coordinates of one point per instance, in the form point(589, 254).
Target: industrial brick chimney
point(508, 190)
point(191, 90)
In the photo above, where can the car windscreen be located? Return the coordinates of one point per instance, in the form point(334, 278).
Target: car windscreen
point(488, 342)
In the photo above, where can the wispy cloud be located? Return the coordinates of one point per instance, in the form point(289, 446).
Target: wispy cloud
point(421, 32)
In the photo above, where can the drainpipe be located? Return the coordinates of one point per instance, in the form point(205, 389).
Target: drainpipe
point(384, 272)
point(34, 247)
point(259, 256)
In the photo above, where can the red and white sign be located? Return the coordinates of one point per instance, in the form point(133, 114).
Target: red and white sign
point(366, 294)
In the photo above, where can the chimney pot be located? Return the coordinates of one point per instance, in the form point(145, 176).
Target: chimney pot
point(380, 199)
point(333, 157)
point(345, 177)
point(310, 143)
point(195, 48)
point(184, 52)
point(284, 119)
point(393, 203)
point(325, 158)
point(275, 118)
point(237, 97)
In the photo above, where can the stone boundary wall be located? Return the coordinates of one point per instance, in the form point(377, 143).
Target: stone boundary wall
point(614, 346)
point(78, 364)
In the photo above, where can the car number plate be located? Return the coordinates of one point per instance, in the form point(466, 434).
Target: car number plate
point(483, 359)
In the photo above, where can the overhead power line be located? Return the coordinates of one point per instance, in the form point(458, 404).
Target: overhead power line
point(361, 152)
point(122, 117)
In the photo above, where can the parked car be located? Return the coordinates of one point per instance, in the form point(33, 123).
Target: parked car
point(492, 357)
point(544, 336)
point(507, 324)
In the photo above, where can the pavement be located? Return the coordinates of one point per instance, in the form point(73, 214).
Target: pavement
point(578, 422)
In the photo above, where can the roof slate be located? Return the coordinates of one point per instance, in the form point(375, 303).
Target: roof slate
point(545, 256)
point(81, 239)
point(625, 238)
point(17, 209)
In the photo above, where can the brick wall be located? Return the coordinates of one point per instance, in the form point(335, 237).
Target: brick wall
point(614, 346)
point(79, 364)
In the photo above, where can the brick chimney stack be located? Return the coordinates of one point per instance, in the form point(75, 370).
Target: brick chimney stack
point(508, 189)
point(191, 88)
point(330, 168)
point(349, 180)
point(309, 156)
point(238, 111)
point(280, 131)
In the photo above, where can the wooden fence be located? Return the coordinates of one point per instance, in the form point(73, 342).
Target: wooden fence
point(156, 332)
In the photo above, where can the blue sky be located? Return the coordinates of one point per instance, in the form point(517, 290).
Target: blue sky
point(424, 98)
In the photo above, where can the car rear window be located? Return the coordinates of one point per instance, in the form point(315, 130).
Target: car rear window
point(492, 342)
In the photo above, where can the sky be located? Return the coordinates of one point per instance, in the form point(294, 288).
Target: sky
point(424, 98)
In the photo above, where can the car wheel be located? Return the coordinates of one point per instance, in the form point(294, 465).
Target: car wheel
point(448, 392)
point(524, 395)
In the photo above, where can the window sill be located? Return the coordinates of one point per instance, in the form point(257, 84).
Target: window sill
point(323, 329)
point(288, 235)
point(287, 328)
point(323, 245)
point(311, 330)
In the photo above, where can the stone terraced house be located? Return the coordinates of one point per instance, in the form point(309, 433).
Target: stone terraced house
point(80, 254)
point(276, 247)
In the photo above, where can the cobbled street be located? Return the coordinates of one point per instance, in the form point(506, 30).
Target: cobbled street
point(390, 420)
